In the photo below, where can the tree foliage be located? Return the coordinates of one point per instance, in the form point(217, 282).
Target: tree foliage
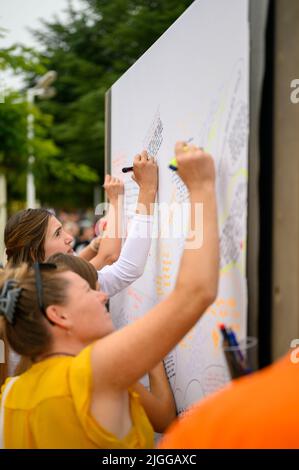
point(14, 109)
point(15, 146)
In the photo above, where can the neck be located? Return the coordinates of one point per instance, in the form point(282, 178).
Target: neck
point(61, 348)
point(62, 344)
point(58, 353)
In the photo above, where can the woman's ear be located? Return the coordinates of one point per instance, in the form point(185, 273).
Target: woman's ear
point(57, 315)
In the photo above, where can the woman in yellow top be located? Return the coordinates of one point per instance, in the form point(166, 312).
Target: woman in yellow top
point(78, 394)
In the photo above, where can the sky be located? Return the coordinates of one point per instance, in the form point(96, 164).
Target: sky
point(17, 15)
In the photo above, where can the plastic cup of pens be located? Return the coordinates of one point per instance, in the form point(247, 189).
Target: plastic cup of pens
point(240, 356)
point(242, 359)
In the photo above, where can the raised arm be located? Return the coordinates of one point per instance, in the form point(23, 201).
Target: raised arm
point(146, 176)
point(110, 243)
point(137, 348)
point(131, 263)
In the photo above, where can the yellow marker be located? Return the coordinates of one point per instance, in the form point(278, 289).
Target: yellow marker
point(173, 164)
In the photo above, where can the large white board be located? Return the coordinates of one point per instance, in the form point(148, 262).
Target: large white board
point(192, 83)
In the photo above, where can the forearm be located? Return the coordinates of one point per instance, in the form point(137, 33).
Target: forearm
point(146, 199)
point(110, 246)
point(202, 247)
point(160, 388)
point(130, 265)
point(87, 253)
point(159, 403)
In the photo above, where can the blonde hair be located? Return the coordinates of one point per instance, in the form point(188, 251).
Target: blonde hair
point(30, 332)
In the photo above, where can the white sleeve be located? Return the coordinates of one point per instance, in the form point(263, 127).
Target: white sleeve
point(131, 262)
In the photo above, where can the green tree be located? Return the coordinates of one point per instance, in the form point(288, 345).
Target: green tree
point(14, 145)
point(13, 120)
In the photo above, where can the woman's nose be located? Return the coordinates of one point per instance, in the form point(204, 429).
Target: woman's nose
point(68, 238)
point(104, 297)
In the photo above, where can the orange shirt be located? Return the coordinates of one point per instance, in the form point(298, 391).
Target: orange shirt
point(258, 411)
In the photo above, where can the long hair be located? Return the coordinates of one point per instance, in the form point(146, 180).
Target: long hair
point(24, 236)
point(30, 332)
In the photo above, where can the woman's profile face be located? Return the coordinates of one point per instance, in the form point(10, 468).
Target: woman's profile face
point(87, 311)
point(57, 240)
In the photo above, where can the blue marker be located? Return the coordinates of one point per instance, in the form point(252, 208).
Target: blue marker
point(235, 366)
point(233, 341)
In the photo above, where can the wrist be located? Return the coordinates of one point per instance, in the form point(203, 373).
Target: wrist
point(148, 191)
point(202, 190)
point(94, 245)
point(116, 200)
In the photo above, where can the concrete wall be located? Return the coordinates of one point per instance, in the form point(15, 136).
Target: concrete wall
point(285, 294)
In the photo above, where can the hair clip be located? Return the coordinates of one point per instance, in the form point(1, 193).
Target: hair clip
point(8, 299)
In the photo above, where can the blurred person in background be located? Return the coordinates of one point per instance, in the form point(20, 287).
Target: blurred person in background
point(85, 235)
point(72, 228)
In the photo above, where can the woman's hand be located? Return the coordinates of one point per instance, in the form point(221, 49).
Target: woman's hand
point(195, 166)
point(114, 188)
point(145, 172)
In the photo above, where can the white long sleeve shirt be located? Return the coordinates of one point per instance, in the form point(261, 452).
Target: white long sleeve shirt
point(131, 262)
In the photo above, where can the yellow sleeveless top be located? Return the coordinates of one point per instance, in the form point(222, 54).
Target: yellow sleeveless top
point(48, 407)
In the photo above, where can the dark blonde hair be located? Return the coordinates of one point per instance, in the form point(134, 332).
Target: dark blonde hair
point(30, 332)
point(78, 265)
point(25, 234)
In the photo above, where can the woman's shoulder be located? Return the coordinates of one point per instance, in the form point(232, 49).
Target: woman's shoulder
point(44, 380)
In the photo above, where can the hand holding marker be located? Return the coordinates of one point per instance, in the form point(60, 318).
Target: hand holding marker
point(143, 157)
point(126, 169)
point(173, 163)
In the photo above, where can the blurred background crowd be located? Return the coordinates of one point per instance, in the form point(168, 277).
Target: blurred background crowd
point(82, 226)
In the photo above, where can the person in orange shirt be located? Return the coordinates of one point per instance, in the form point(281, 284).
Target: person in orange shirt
point(256, 412)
